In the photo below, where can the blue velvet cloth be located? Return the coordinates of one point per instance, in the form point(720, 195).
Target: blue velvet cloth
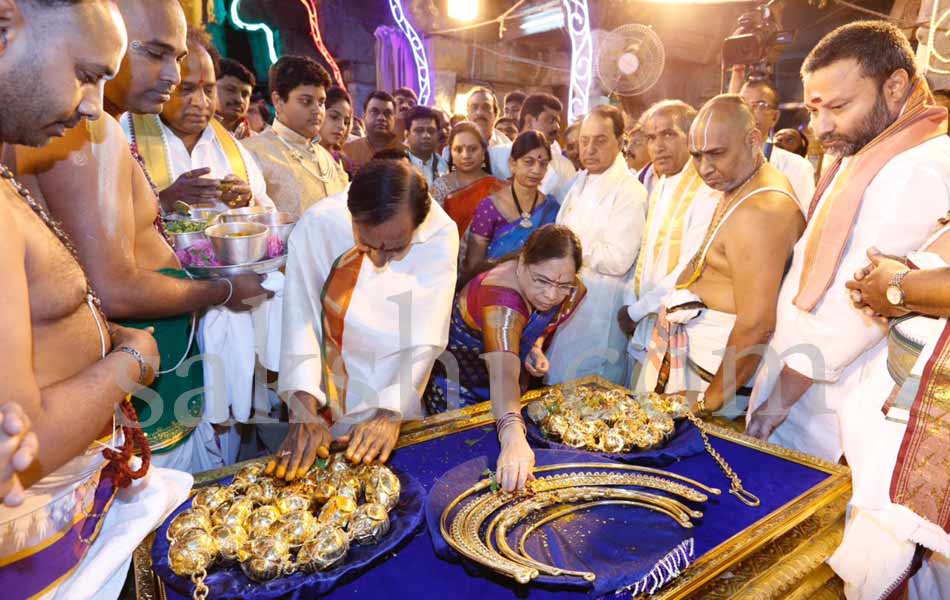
point(230, 582)
point(684, 442)
point(621, 545)
point(414, 571)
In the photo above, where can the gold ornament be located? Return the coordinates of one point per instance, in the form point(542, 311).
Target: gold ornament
point(288, 503)
point(194, 518)
point(349, 485)
point(369, 523)
point(191, 553)
point(327, 548)
point(260, 521)
point(295, 528)
point(235, 513)
point(231, 542)
point(212, 498)
point(337, 511)
point(383, 487)
point(262, 492)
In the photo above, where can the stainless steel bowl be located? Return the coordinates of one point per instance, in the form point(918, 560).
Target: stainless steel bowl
point(203, 214)
point(236, 215)
point(250, 247)
point(279, 223)
point(184, 241)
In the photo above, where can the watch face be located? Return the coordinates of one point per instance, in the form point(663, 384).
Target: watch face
point(894, 295)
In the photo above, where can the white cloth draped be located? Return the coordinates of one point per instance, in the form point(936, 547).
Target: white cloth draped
point(657, 280)
point(836, 342)
point(231, 344)
point(388, 352)
point(608, 213)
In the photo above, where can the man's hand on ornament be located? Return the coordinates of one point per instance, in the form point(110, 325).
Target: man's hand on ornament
point(373, 440)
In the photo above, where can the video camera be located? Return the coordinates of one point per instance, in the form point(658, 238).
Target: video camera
point(757, 42)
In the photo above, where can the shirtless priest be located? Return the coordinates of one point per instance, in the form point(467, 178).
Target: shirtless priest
point(723, 307)
point(113, 223)
point(378, 263)
point(82, 515)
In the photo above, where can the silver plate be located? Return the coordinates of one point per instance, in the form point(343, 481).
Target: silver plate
point(262, 266)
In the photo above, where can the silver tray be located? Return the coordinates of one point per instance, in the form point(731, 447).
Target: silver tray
point(268, 265)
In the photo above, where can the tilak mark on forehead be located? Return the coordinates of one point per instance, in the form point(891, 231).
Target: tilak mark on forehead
point(704, 125)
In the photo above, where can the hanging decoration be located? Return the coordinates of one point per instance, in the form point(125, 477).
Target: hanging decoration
point(268, 32)
point(311, 6)
point(418, 51)
point(582, 59)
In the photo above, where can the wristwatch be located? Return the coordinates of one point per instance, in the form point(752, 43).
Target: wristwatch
point(894, 292)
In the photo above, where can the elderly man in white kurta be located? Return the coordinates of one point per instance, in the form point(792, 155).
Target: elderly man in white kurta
point(680, 209)
point(370, 281)
point(891, 184)
point(606, 208)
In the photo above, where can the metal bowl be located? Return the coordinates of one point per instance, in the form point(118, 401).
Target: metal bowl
point(183, 241)
point(249, 247)
point(237, 215)
point(279, 223)
point(203, 214)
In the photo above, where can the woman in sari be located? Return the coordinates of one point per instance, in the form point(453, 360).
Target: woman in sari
point(504, 220)
point(501, 321)
point(469, 180)
point(336, 126)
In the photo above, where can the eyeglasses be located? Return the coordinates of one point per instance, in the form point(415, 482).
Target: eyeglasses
point(561, 288)
point(762, 105)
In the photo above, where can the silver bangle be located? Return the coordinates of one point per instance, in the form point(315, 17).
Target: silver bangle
point(143, 366)
point(230, 292)
point(507, 419)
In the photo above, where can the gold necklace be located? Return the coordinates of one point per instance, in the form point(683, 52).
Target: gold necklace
point(324, 175)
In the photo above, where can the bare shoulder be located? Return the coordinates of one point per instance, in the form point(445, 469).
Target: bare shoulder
point(82, 146)
point(769, 216)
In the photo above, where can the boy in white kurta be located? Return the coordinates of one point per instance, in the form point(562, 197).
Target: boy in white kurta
point(606, 208)
point(372, 308)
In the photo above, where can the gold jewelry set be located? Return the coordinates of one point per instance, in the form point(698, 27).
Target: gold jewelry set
point(273, 529)
point(612, 421)
point(569, 492)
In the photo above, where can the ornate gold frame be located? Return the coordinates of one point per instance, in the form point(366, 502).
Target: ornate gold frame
point(832, 491)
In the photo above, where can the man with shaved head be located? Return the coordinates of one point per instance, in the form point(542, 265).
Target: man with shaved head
point(764, 100)
point(723, 304)
point(883, 195)
point(83, 511)
point(679, 211)
point(113, 220)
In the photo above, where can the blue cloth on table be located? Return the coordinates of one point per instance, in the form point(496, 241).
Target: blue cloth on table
point(624, 546)
point(231, 582)
point(684, 442)
point(416, 572)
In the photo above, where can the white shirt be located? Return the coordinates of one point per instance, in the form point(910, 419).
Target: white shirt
point(209, 153)
point(388, 350)
point(657, 280)
point(497, 139)
point(557, 180)
point(607, 213)
point(830, 345)
point(435, 163)
point(800, 173)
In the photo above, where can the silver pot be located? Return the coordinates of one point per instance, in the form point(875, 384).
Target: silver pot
point(250, 247)
point(236, 215)
point(279, 223)
point(183, 241)
point(203, 214)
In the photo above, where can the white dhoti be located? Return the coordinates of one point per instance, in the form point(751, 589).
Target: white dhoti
point(41, 540)
point(871, 443)
point(705, 333)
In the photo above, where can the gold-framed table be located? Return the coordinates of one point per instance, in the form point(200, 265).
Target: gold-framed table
point(781, 555)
